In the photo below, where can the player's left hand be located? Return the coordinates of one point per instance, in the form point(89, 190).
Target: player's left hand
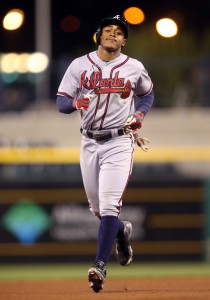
point(135, 121)
point(141, 142)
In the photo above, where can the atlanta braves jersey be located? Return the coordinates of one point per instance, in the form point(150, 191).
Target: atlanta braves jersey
point(113, 84)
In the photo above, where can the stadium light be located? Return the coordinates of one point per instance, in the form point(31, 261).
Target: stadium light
point(23, 62)
point(166, 27)
point(38, 62)
point(134, 15)
point(13, 19)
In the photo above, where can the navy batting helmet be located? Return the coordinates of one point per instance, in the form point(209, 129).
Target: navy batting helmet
point(112, 20)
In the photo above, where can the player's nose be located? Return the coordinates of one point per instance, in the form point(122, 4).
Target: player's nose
point(112, 33)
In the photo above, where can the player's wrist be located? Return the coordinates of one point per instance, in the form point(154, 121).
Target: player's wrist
point(139, 116)
point(74, 103)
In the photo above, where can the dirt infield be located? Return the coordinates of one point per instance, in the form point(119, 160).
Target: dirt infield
point(123, 289)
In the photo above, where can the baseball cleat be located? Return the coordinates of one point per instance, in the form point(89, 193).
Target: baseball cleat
point(124, 251)
point(96, 276)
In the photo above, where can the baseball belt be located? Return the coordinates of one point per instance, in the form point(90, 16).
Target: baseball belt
point(102, 135)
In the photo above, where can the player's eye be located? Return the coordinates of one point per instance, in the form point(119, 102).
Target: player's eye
point(107, 29)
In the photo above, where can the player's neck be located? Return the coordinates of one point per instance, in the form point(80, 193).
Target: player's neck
point(107, 55)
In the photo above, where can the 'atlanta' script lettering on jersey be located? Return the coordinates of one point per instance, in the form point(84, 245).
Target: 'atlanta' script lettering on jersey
point(106, 85)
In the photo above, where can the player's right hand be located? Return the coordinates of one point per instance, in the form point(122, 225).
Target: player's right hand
point(82, 103)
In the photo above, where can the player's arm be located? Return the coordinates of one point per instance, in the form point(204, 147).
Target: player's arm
point(65, 104)
point(144, 103)
point(69, 86)
point(142, 106)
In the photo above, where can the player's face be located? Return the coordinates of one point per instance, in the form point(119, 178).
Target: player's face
point(112, 38)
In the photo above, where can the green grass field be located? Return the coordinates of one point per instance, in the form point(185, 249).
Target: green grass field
point(78, 271)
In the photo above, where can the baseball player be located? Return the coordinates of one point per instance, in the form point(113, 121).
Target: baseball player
point(113, 93)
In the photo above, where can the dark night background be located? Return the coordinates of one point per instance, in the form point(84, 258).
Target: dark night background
point(193, 16)
point(178, 63)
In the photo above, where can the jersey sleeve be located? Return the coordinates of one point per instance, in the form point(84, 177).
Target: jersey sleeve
point(70, 84)
point(144, 84)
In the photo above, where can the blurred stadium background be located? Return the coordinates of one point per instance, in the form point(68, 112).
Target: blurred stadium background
point(43, 210)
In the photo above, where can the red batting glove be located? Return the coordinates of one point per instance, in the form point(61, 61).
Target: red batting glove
point(82, 103)
point(135, 121)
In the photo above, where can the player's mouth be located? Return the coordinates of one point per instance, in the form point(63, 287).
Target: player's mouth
point(111, 39)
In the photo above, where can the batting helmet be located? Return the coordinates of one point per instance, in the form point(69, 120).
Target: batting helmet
point(112, 20)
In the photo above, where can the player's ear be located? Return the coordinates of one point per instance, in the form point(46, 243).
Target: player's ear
point(124, 42)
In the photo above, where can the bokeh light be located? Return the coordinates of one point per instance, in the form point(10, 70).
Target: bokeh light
point(134, 15)
point(70, 24)
point(37, 62)
point(9, 63)
point(23, 62)
point(13, 19)
point(166, 27)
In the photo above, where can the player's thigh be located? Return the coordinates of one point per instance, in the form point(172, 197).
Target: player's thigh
point(90, 170)
point(113, 179)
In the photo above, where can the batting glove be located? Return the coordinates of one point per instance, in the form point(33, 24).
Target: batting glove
point(135, 121)
point(82, 103)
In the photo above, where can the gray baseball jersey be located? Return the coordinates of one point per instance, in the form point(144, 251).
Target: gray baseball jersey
point(113, 84)
point(106, 166)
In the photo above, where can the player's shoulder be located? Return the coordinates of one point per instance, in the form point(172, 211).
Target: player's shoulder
point(79, 61)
